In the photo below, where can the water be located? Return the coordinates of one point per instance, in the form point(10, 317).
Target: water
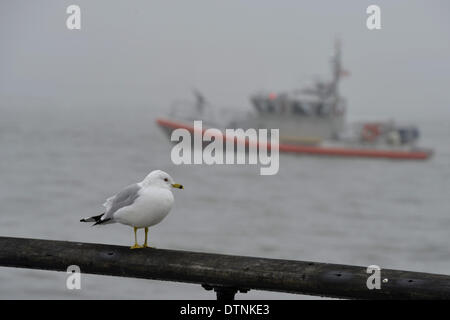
point(59, 164)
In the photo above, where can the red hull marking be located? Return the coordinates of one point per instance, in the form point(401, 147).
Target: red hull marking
point(327, 151)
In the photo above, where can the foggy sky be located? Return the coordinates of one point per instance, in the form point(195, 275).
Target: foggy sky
point(153, 52)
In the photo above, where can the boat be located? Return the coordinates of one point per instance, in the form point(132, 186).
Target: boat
point(311, 121)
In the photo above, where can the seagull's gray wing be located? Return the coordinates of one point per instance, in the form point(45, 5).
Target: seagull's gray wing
point(124, 198)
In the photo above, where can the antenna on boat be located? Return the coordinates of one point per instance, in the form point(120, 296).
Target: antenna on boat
point(200, 100)
point(336, 65)
point(203, 108)
point(336, 61)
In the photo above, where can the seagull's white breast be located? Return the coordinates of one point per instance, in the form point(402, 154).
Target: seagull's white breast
point(150, 208)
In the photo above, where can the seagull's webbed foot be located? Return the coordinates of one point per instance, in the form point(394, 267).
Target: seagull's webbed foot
point(136, 246)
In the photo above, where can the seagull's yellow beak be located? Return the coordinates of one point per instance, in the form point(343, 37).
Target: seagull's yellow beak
point(178, 186)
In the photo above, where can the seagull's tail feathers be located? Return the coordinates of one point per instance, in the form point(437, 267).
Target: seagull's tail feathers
point(96, 219)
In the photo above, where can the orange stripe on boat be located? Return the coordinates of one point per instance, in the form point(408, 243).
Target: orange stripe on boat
point(326, 151)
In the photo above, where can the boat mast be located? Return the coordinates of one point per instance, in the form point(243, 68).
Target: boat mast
point(337, 68)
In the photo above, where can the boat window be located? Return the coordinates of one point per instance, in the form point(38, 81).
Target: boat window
point(258, 105)
point(271, 106)
point(297, 108)
point(322, 109)
point(318, 107)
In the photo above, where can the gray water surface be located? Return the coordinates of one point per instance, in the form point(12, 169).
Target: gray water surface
point(59, 164)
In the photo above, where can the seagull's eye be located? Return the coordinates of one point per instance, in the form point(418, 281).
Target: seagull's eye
point(165, 179)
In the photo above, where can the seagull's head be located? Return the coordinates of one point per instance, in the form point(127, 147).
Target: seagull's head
point(161, 179)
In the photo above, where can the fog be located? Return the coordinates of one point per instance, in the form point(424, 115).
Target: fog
point(149, 53)
point(63, 153)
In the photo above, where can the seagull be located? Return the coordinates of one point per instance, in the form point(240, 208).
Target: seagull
point(140, 205)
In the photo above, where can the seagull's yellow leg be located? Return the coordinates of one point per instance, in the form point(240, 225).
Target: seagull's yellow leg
point(136, 246)
point(146, 234)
